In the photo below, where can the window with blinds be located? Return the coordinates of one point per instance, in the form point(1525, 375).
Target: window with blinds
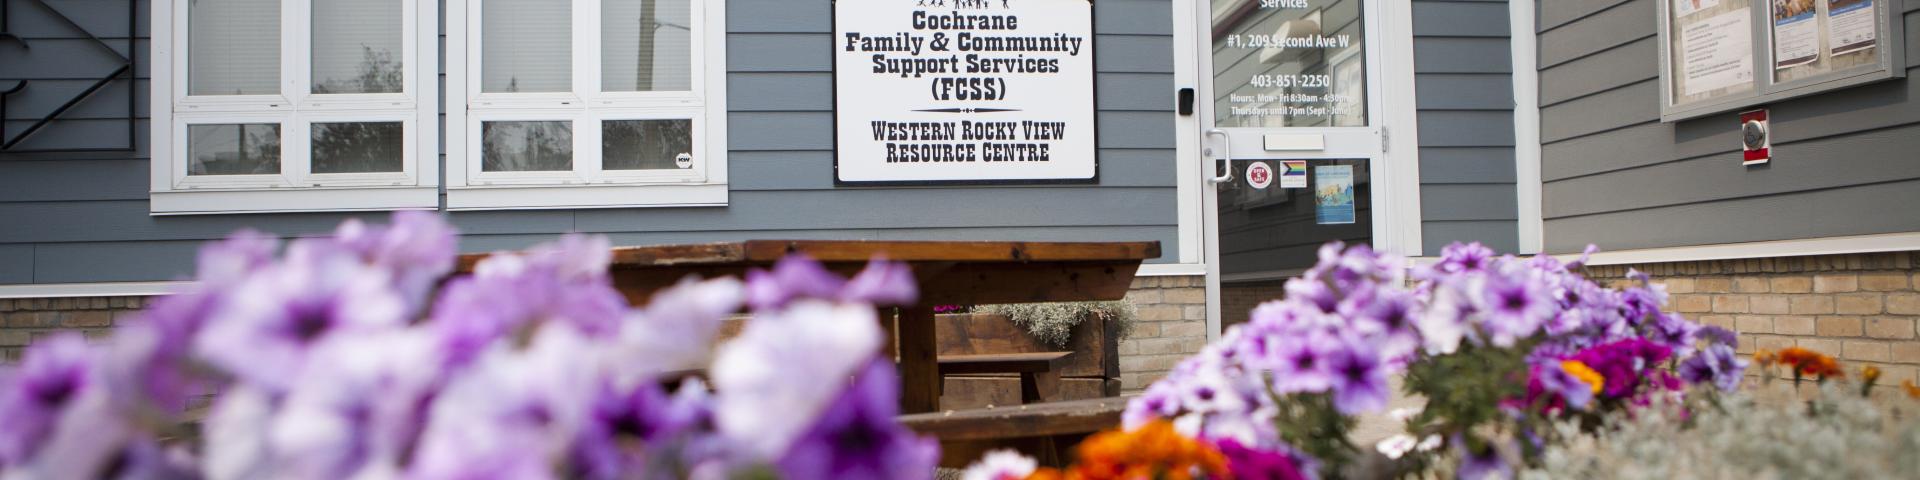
point(287, 95)
point(588, 94)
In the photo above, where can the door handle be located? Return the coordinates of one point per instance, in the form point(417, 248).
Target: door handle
point(1226, 160)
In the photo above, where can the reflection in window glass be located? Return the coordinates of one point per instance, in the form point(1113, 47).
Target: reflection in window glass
point(644, 144)
point(646, 45)
point(358, 147)
point(1289, 64)
point(356, 46)
point(233, 47)
point(526, 146)
point(526, 46)
point(233, 149)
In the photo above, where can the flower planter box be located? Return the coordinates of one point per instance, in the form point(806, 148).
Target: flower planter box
point(1093, 371)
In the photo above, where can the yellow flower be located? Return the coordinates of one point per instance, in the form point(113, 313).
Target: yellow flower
point(1870, 374)
point(1584, 373)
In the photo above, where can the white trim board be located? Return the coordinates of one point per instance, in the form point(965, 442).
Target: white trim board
point(1879, 243)
point(1526, 125)
point(1171, 270)
point(111, 289)
point(1890, 242)
point(1400, 233)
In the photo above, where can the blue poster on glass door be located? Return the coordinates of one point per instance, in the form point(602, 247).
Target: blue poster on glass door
point(1333, 194)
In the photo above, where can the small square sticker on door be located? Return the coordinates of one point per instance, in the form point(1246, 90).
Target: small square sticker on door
point(1293, 174)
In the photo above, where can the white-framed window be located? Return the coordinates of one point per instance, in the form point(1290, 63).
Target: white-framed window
point(294, 105)
point(585, 103)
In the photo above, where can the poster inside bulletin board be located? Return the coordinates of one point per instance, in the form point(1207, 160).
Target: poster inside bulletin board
point(963, 92)
point(1723, 55)
point(1812, 37)
point(1711, 54)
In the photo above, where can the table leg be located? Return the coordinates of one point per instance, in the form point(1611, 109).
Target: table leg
point(919, 361)
point(890, 329)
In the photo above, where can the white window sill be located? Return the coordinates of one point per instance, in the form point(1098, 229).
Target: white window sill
point(213, 202)
point(578, 197)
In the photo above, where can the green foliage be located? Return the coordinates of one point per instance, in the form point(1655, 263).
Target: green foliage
point(1052, 323)
point(1310, 423)
point(1464, 390)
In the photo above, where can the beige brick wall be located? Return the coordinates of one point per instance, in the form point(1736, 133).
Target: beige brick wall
point(24, 320)
point(1172, 326)
point(1860, 308)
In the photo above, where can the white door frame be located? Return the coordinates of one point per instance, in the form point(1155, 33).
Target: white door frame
point(1396, 191)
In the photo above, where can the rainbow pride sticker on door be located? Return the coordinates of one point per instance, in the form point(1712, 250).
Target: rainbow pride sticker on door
point(1293, 174)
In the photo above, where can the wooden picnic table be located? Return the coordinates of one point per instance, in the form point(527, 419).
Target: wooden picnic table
point(949, 273)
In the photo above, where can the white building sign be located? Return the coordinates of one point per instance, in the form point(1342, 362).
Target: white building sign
point(963, 91)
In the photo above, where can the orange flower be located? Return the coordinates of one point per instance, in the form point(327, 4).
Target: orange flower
point(1584, 373)
point(1912, 390)
point(1152, 451)
point(1812, 363)
point(1765, 358)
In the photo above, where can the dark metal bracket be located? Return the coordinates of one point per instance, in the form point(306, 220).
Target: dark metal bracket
point(124, 71)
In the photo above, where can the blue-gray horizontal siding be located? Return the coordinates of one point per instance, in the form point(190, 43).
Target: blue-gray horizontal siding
point(83, 217)
point(1464, 85)
point(1615, 176)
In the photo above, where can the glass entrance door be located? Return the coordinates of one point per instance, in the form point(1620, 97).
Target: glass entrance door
point(1293, 139)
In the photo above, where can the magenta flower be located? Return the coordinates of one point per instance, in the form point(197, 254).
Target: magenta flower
point(1624, 364)
point(1251, 463)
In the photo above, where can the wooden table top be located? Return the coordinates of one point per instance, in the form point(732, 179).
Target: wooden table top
point(762, 252)
point(949, 272)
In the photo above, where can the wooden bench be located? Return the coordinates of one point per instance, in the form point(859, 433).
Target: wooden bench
point(1093, 371)
point(1039, 372)
point(1044, 431)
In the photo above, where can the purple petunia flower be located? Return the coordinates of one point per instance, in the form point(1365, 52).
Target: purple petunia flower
point(512, 412)
point(229, 262)
point(640, 432)
point(1303, 363)
point(1359, 380)
point(1514, 308)
point(1468, 257)
point(858, 438)
point(52, 377)
point(418, 248)
point(1480, 465)
point(509, 295)
point(1714, 364)
point(794, 277)
point(882, 283)
point(676, 331)
point(762, 405)
point(266, 325)
point(1551, 379)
